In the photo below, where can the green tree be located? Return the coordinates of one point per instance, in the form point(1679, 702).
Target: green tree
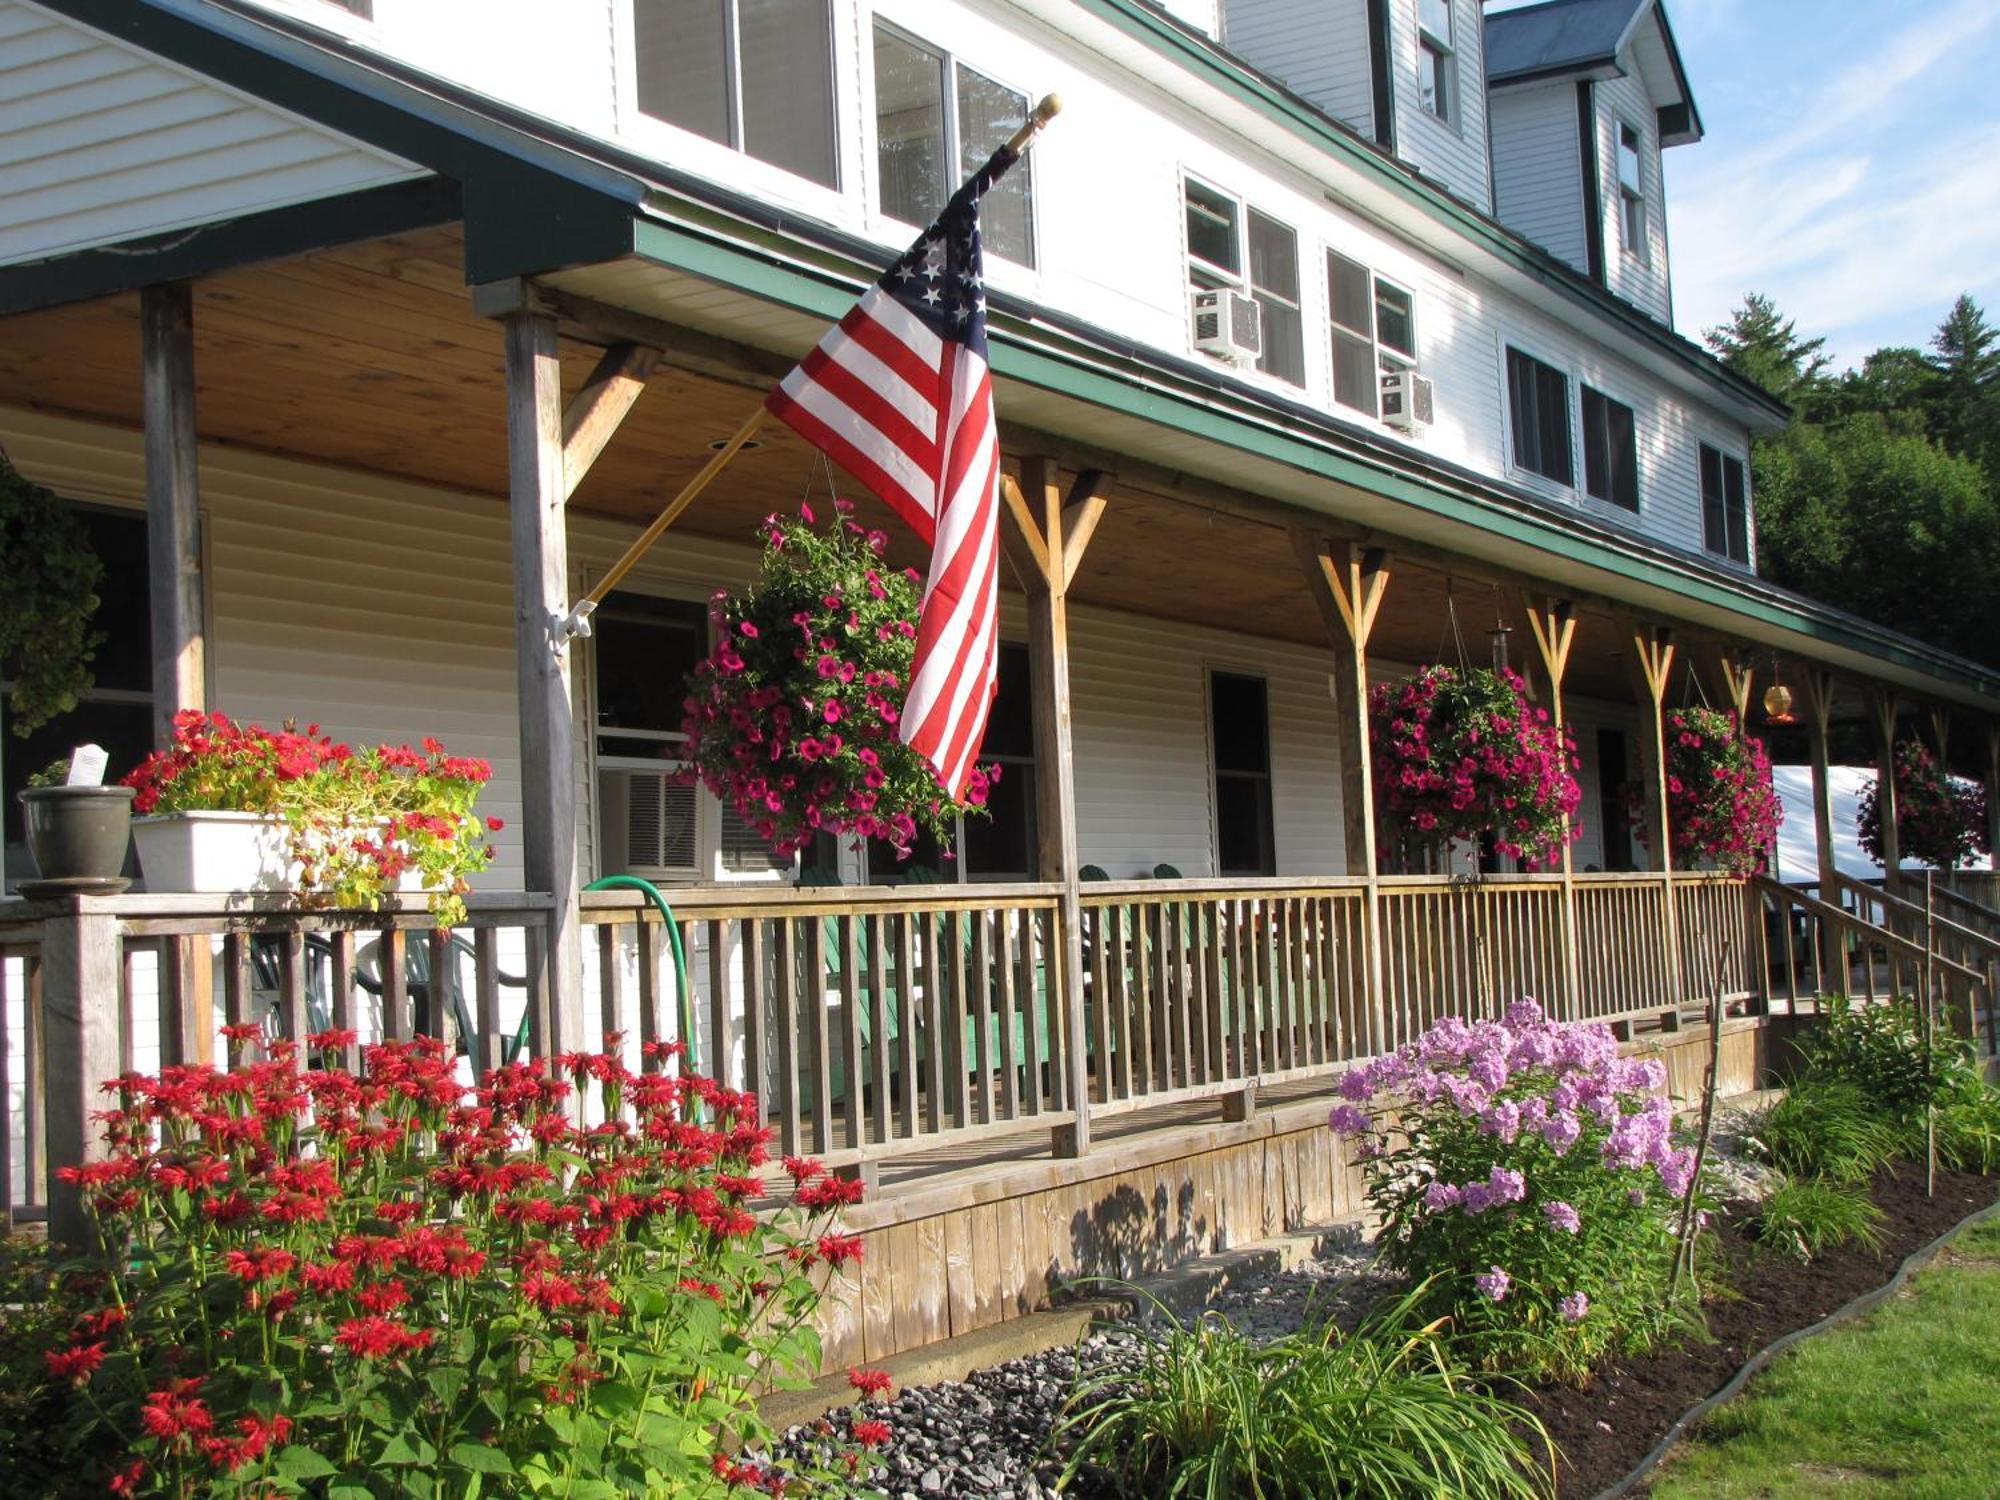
point(1762, 344)
point(1965, 353)
point(1899, 383)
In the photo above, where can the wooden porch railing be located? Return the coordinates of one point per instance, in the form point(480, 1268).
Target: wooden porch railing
point(873, 1021)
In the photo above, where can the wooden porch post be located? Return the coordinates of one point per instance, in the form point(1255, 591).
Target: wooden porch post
point(1046, 544)
point(1883, 708)
point(1652, 661)
point(173, 504)
point(537, 489)
point(1348, 582)
point(1819, 690)
point(1553, 624)
point(79, 1048)
point(1993, 799)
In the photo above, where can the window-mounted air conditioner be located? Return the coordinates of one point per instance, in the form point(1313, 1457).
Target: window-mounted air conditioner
point(1227, 324)
point(1408, 400)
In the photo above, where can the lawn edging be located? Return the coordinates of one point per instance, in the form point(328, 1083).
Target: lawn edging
point(1867, 1302)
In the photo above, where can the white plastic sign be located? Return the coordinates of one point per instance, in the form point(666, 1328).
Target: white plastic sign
point(86, 765)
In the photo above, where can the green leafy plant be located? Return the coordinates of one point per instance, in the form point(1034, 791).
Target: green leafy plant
point(1808, 1218)
point(49, 576)
point(1379, 1413)
point(1826, 1128)
point(1968, 1124)
point(359, 820)
point(1528, 1176)
point(55, 773)
point(364, 1285)
point(1940, 818)
point(1879, 1049)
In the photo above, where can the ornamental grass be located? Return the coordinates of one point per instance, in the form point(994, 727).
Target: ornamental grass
point(358, 1285)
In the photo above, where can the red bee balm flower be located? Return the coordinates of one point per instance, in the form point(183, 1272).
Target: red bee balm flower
point(870, 1382)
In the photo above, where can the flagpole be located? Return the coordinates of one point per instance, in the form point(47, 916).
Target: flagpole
point(577, 623)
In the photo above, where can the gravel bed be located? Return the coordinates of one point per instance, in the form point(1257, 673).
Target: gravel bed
point(988, 1436)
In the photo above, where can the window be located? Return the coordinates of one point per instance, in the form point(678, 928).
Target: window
point(1610, 450)
point(1436, 80)
point(1725, 508)
point(1374, 329)
point(936, 123)
point(1631, 192)
point(1538, 401)
point(1240, 721)
point(117, 710)
point(1222, 239)
point(1001, 845)
point(647, 819)
point(753, 74)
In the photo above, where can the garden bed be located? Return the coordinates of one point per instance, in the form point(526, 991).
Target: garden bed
point(1607, 1427)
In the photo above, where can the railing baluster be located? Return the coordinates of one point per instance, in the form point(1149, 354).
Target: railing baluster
point(34, 1084)
point(646, 946)
point(397, 1021)
point(488, 1046)
point(8, 960)
point(1009, 1015)
point(930, 938)
point(785, 957)
point(610, 984)
point(854, 1067)
point(881, 1047)
point(292, 986)
point(953, 946)
point(1118, 999)
point(341, 976)
point(812, 945)
point(127, 959)
point(443, 988)
point(907, 1013)
point(980, 980)
point(756, 1019)
point(1098, 919)
point(720, 1060)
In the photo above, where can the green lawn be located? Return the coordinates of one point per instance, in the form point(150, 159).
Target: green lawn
point(1903, 1403)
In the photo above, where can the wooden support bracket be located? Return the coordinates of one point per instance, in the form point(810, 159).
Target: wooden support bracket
point(596, 411)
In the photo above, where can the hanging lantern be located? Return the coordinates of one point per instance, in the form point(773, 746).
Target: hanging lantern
point(1778, 704)
point(1498, 635)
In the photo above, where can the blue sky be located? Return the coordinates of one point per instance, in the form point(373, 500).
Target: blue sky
point(1851, 169)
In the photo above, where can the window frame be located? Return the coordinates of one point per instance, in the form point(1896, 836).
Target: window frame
point(1443, 51)
point(1589, 387)
point(729, 158)
point(1631, 196)
point(708, 868)
point(1269, 776)
point(1737, 525)
point(1382, 358)
point(1516, 468)
point(953, 145)
point(1243, 280)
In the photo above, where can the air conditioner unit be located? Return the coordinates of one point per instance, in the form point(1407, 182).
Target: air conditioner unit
point(1228, 325)
point(1408, 400)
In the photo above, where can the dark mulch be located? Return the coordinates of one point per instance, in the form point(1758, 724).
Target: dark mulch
point(1606, 1428)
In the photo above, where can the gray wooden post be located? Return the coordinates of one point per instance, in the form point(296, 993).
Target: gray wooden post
point(80, 1048)
point(536, 492)
point(173, 503)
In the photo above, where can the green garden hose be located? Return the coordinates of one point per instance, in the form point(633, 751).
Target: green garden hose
point(683, 1002)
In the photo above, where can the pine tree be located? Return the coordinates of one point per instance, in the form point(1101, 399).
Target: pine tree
point(1965, 352)
point(1763, 345)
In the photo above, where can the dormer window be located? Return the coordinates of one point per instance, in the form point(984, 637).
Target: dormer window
point(1437, 84)
point(1631, 191)
point(756, 75)
point(936, 123)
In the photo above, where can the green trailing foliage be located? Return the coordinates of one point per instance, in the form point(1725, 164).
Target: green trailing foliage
point(49, 575)
point(1808, 1218)
point(1383, 1412)
point(1826, 1128)
point(1879, 1050)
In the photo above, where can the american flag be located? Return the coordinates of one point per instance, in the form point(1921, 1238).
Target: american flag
point(898, 394)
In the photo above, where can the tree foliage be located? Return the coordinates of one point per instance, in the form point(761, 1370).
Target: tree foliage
point(1883, 495)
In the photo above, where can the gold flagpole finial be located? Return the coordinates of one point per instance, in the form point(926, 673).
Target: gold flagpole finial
point(1047, 110)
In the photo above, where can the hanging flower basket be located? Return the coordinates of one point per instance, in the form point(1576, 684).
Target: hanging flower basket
point(1940, 820)
point(241, 808)
point(793, 717)
point(1722, 810)
point(1461, 755)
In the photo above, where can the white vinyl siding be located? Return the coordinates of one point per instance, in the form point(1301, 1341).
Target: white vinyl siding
point(1639, 280)
point(1537, 174)
point(101, 143)
point(1317, 48)
point(1452, 150)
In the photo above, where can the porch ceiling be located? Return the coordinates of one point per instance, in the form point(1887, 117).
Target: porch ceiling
point(370, 356)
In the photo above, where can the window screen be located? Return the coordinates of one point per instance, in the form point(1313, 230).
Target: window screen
point(1211, 229)
point(1356, 383)
point(1274, 281)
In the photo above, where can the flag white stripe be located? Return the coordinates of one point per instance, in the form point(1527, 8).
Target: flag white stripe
point(905, 325)
point(858, 430)
point(884, 381)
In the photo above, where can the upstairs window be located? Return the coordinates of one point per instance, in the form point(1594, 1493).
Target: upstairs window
point(756, 75)
point(1231, 246)
point(1437, 83)
point(936, 123)
point(1631, 192)
point(362, 8)
point(1725, 505)
point(1610, 450)
point(1240, 724)
point(1538, 404)
point(1374, 329)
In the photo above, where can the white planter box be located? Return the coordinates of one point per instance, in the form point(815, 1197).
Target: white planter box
point(221, 853)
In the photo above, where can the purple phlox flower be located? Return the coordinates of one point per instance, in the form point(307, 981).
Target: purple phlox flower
point(1574, 1307)
point(1494, 1284)
point(1488, 1069)
point(1350, 1120)
point(1561, 1216)
point(1561, 1130)
point(1503, 1119)
point(1524, 1012)
point(1440, 1196)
